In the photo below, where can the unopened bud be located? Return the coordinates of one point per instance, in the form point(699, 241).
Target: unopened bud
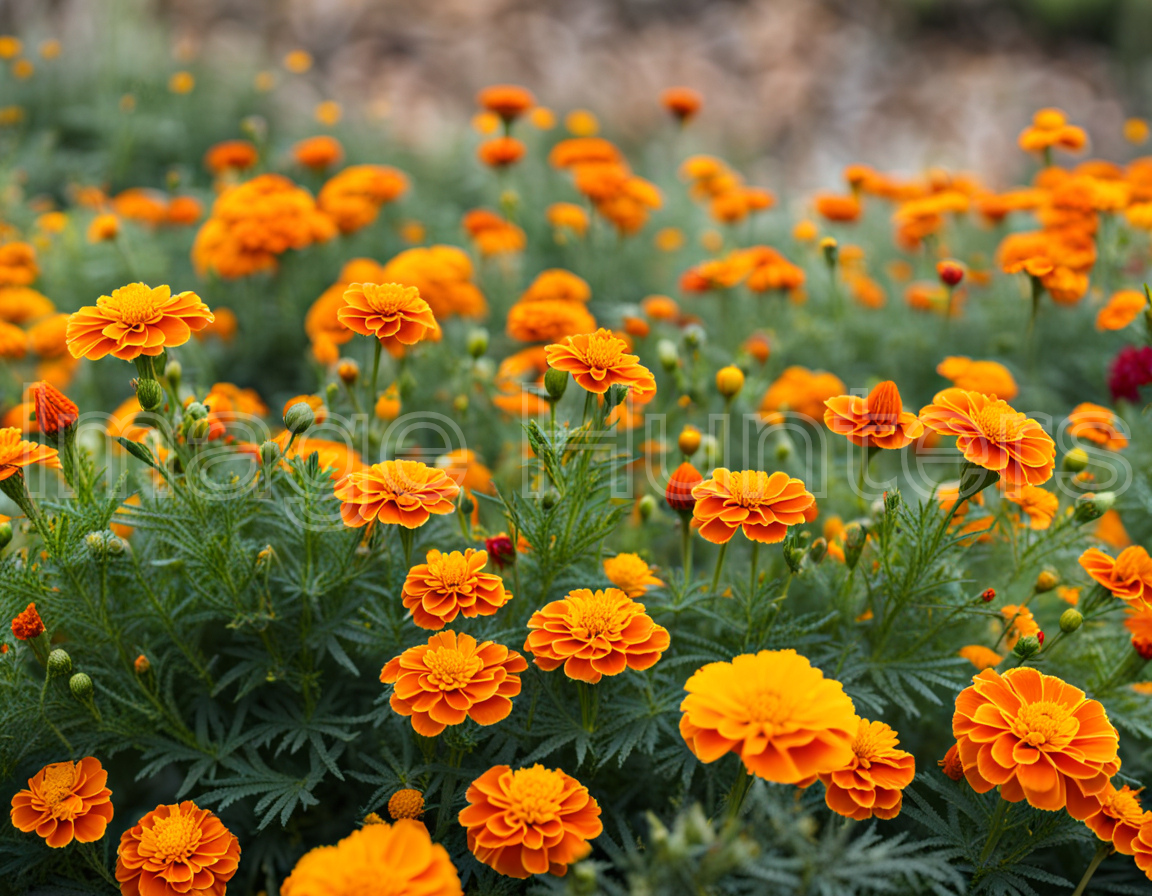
point(729, 381)
point(667, 354)
point(467, 503)
point(694, 336)
point(549, 498)
point(5, 534)
point(477, 342)
point(782, 448)
point(173, 372)
point(1046, 581)
point(854, 540)
point(689, 440)
point(195, 411)
point(892, 502)
point(270, 453)
point(348, 371)
point(555, 383)
point(818, 550)
point(711, 447)
point(830, 249)
point(950, 272)
point(199, 429)
point(150, 394)
point(141, 665)
point(59, 663)
point(1070, 620)
point(1027, 646)
point(1075, 460)
point(81, 686)
point(460, 403)
point(1093, 506)
point(299, 418)
point(646, 506)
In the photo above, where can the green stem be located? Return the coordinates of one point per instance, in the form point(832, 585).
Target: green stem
point(719, 566)
point(1102, 852)
point(739, 790)
point(994, 833)
point(686, 546)
point(752, 575)
point(375, 374)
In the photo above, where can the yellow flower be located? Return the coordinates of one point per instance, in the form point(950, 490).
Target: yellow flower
point(630, 574)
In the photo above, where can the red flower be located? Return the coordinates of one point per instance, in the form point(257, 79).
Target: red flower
point(28, 625)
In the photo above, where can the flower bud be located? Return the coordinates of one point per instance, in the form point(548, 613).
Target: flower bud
point(892, 502)
point(678, 494)
point(330, 394)
point(299, 418)
point(81, 686)
point(467, 503)
point(5, 534)
point(711, 446)
point(667, 354)
point(549, 498)
point(195, 411)
point(460, 403)
point(501, 549)
point(646, 506)
point(199, 429)
point(1075, 460)
point(348, 371)
point(830, 249)
point(477, 342)
point(150, 394)
point(818, 550)
point(1070, 620)
point(484, 369)
point(1093, 506)
point(97, 543)
point(270, 453)
point(729, 381)
point(173, 372)
point(989, 595)
point(782, 448)
point(1046, 581)
point(855, 537)
point(975, 479)
point(1027, 646)
point(689, 440)
point(59, 663)
point(141, 665)
point(950, 272)
point(556, 383)
point(694, 336)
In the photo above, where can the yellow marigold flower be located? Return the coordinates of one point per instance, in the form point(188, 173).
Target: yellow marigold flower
point(1123, 308)
point(10, 46)
point(1097, 424)
point(406, 803)
point(329, 112)
point(599, 360)
point(135, 320)
point(669, 239)
point(298, 61)
point(1114, 816)
point(1038, 504)
point(1135, 130)
point(785, 720)
point(23, 69)
point(873, 781)
point(394, 314)
point(542, 118)
point(979, 656)
point(450, 584)
point(630, 574)
point(103, 228)
point(414, 864)
point(65, 801)
point(396, 492)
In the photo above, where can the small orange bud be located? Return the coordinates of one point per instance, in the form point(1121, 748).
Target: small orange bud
point(141, 665)
point(950, 272)
point(689, 440)
point(348, 371)
point(678, 494)
point(729, 381)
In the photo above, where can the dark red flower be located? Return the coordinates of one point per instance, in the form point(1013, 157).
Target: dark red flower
point(1131, 369)
point(501, 549)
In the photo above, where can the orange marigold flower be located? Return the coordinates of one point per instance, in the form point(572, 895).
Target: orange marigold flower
point(450, 584)
point(876, 421)
point(1123, 308)
point(568, 216)
point(630, 574)
point(1138, 621)
point(506, 100)
point(231, 155)
point(415, 865)
point(785, 720)
point(1115, 816)
point(443, 274)
point(135, 320)
point(1050, 128)
point(500, 152)
point(831, 207)
point(18, 265)
point(1036, 737)
point(404, 492)
point(394, 314)
point(140, 204)
point(548, 320)
point(65, 801)
point(1038, 504)
point(49, 337)
point(493, 234)
point(184, 210)
point(763, 505)
point(872, 782)
point(595, 633)
point(800, 391)
point(1020, 622)
point(451, 678)
point(989, 377)
point(54, 410)
point(27, 625)
point(1128, 576)
point(991, 434)
point(1096, 424)
point(406, 803)
point(558, 284)
point(529, 821)
point(16, 452)
point(599, 360)
point(103, 228)
point(13, 341)
point(678, 493)
point(177, 850)
point(353, 198)
point(21, 304)
point(682, 102)
point(951, 764)
point(318, 153)
point(979, 656)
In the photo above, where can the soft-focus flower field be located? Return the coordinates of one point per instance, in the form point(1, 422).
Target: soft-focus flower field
point(528, 512)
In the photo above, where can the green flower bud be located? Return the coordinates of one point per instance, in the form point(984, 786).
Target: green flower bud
point(1093, 506)
point(1027, 646)
point(1070, 620)
point(484, 369)
point(667, 354)
point(1075, 460)
point(59, 663)
point(81, 686)
point(299, 418)
point(97, 543)
point(549, 498)
point(460, 404)
point(5, 534)
point(477, 342)
point(195, 411)
point(270, 453)
point(975, 479)
point(892, 501)
point(173, 372)
point(150, 394)
point(818, 550)
point(199, 429)
point(1046, 580)
point(855, 537)
point(467, 504)
point(646, 507)
point(694, 336)
point(556, 383)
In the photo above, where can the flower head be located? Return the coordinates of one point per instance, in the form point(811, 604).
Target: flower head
point(547, 319)
point(1035, 737)
point(451, 584)
point(980, 656)
point(28, 624)
point(54, 410)
point(630, 574)
point(595, 633)
point(1131, 369)
point(394, 314)
point(404, 492)
point(678, 493)
point(763, 505)
point(1128, 576)
point(991, 434)
point(506, 100)
point(599, 360)
point(951, 764)
point(1123, 308)
point(1050, 128)
point(500, 152)
point(1039, 505)
point(872, 782)
point(785, 720)
point(1114, 815)
point(16, 452)
point(415, 865)
point(451, 678)
point(65, 801)
point(406, 803)
point(800, 391)
point(878, 420)
point(1097, 424)
point(989, 377)
point(529, 821)
point(230, 155)
point(1020, 624)
point(318, 153)
point(135, 320)
point(682, 102)
point(177, 850)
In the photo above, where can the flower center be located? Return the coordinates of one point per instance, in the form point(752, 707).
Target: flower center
point(1039, 724)
point(389, 298)
point(535, 794)
point(602, 353)
point(884, 405)
point(767, 708)
point(999, 423)
point(1131, 563)
point(450, 669)
point(453, 571)
point(59, 779)
point(747, 489)
point(172, 839)
point(1124, 806)
point(596, 615)
point(135, 303)
point(873, 739)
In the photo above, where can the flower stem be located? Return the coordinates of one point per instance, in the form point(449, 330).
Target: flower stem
point(752, 575)
point(686, 546)
point(1102, 852)
point(738, 792)
point(994, 832)
point(719, 566)
point(375, 374)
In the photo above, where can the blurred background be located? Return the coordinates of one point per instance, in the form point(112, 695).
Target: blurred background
point(794, 88)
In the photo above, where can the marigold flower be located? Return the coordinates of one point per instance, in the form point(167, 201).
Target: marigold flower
point(13, 342)
point(951, 764)
point(599, 360)
point(394, 314)
point(500, 152)
point(1038, 504)
point(1123, 308)
point(451, 584)
point(595, 633)
point(135, 320)
point(988, 377)
point(872, 782)
point(682, 102)
point(678, 493)
point(406, 803)
point(27, 625)
point(183, 211)
point(879, 420)
point(353, 198)
point(1020, 622)
point(1049, 129)
point(568, 216)
point(557, 284)
point(415, 865)
point(21, 304)
point(506, 100)
point(529, 821)
point(177, 850)
point(548, 320)
point(1128, 576)
point(843, 209)
point(65, 801)
point(979, 656)
point(298, 61)
point(991, 434)
point(1096, 424)
point(54, 410)
point(493, 234)
point(231, 155)
point(1035, 737)
point(404, 492)
point(139, 204)
point(103, 228)
point(16, 453)
point(630, 574)
point(800, 391)
point(319, 152)
point(18, 265)
point(1114, 816)
point(763, 505)
point(443, 274)
point(451, 678)
point(785, 720)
